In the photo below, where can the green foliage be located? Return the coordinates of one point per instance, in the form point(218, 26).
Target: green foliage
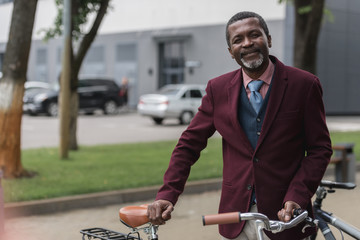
point(307, 9)
point(348, 137)
point(329, 16)
point(103, 168)
point(82, 11)
point(114, 167)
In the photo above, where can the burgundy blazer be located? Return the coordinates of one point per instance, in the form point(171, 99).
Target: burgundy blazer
point(291, 156)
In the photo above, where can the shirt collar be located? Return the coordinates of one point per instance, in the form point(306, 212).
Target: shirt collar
point(265, 77)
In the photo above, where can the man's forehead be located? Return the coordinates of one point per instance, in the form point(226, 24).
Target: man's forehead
point(246, 24)
point(250, 20)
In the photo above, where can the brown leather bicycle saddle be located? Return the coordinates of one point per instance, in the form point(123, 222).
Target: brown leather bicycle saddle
point(134, 216)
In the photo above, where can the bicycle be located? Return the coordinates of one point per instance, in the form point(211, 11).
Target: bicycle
point(326, 218)
point(135, 218)
point(262, 222)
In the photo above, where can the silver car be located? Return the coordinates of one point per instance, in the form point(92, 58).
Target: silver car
point(179, 101)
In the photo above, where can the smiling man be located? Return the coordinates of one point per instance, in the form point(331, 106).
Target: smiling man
point(276, 144)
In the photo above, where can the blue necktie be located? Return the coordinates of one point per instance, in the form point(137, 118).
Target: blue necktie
point(255, 96)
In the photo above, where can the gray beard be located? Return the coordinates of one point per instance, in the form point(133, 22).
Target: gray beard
point(253, 64)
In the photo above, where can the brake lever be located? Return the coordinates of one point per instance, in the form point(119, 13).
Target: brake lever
point(310, 223)
point(308, 220)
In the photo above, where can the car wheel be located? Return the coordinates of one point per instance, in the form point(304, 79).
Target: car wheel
point(110, 107)
point(31, 113)
point(186, 117)
point(158, 121)
point(52, 109)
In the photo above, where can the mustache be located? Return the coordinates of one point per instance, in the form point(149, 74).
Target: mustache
point(243, 53)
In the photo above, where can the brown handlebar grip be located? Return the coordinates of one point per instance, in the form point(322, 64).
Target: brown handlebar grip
point(222, 218)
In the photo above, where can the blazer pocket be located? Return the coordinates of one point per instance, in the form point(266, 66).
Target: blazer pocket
point(227, 187)
point(288, 115)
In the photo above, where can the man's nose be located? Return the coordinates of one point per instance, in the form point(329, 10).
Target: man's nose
point(247, 42)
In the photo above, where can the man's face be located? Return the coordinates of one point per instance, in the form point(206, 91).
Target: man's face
point(249, 45)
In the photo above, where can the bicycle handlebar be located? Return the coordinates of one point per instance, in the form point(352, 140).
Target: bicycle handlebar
point(270, 225)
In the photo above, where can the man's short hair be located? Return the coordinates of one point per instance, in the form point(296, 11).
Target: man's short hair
point(243, 15)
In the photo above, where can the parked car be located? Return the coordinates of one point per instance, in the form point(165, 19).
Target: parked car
point(94, 94)
point(40, 97)
point(30, 85)
point(180, 101)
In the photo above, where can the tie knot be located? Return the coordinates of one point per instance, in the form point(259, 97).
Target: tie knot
point(255, 85)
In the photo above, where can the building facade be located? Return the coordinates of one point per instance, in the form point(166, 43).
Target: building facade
point(338, 66)
point(184, 42)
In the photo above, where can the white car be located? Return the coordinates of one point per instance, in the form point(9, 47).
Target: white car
point(180, 101)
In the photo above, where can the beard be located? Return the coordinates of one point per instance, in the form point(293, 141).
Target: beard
point(252, 65)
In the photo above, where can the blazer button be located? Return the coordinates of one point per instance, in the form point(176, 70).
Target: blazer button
point(256, 160)
point(249, 187)
point(258, 119)
point(258, 133)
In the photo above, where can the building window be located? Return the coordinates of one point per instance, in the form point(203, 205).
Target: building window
point(94, 62)
point(171, 62)
point(126, 67)
point(41, 65)
point(5, 1)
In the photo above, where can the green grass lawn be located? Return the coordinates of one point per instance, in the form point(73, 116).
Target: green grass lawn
point(114, 167)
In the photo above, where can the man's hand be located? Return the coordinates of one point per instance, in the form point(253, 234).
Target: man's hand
point(287, 212)
point(160, 211)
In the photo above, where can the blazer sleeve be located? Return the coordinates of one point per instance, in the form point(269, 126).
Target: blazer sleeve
point(187, 151)
point(317, 146)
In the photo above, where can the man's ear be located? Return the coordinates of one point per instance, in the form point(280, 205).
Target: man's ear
point(269, 41)
point(232, 56)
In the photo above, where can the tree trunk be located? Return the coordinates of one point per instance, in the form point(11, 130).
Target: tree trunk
point(307, 29)
point(76, 65)
point(74, 108)
point(10, 128)
point(12, 87)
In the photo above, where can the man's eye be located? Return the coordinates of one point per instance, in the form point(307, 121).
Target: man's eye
point(237, 40)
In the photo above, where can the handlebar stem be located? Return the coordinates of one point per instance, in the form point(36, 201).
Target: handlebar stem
point(256, 216)
point(259, 229)
point(321, 193)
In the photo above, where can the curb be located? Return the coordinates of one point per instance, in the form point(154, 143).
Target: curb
point(63, 204)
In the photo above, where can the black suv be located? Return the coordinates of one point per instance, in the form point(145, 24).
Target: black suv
point(94, 94)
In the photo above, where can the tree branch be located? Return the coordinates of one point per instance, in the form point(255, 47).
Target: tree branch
point(90, 36)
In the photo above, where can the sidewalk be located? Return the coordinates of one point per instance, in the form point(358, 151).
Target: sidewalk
point(186, 219)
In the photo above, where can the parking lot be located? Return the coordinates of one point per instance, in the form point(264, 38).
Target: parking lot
point(126, 127)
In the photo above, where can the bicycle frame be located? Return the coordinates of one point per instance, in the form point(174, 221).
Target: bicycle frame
point(326, 218)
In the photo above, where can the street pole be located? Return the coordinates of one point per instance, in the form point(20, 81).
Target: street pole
point(65, 83)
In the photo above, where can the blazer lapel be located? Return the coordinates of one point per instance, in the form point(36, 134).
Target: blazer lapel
point(278, 89)
point(234, 90)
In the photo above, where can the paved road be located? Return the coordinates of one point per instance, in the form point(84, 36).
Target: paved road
point(42, 131)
